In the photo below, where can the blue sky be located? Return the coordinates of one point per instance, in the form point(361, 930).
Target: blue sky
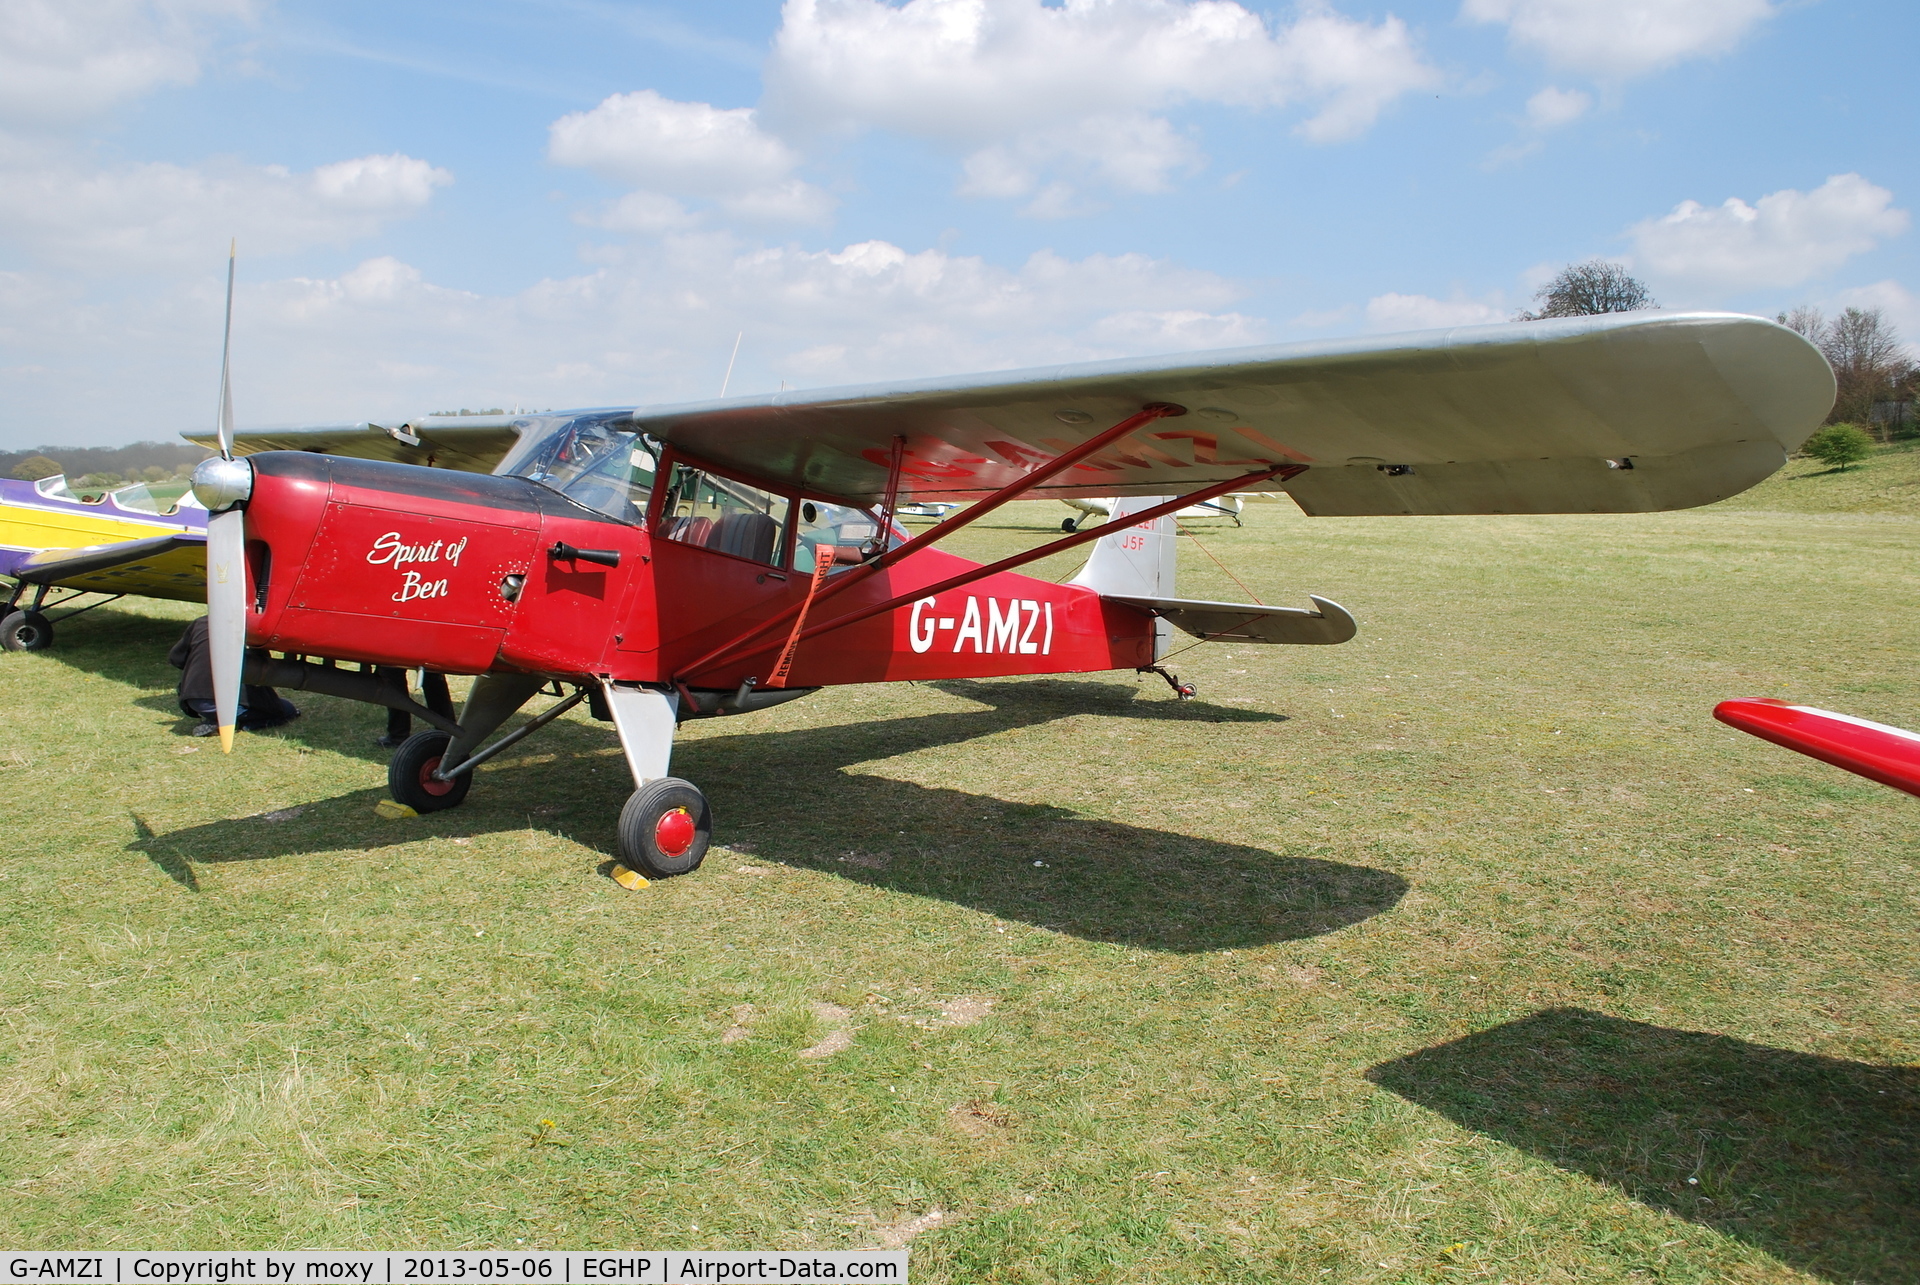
point(548, 203)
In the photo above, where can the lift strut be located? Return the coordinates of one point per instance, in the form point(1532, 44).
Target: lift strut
point(1282, 471)
point(940, 531)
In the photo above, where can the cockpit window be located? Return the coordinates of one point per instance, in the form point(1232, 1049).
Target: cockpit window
point(56, 488)
point(853, 535)
point(161, 499)
point(719, 513)
point(591, 462)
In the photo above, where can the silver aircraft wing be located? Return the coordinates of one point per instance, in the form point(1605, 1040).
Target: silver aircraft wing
point(471, 443)
point(1629, 412)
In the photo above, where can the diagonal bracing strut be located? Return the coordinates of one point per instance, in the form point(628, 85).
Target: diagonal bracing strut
point(1282, 471)
point(941, 530)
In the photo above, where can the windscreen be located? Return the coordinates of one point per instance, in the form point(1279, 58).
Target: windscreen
point(590, 461)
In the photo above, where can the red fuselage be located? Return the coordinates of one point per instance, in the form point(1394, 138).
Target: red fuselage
point(399, 565)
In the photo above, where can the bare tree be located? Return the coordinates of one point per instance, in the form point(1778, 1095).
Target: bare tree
point(1869, 365)
point(1586, 289)
point(1805, 320)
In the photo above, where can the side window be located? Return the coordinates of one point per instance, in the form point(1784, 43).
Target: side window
point(852, 534)
point(719, 513)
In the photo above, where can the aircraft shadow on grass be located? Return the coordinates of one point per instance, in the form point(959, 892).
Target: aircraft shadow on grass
point(787, 795)
point(325, 723)
point(121, 646)
point(1815, 1160)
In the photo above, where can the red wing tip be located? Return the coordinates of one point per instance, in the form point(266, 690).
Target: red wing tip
point(1727, 710)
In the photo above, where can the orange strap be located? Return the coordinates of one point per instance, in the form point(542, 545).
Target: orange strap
point(823, 558)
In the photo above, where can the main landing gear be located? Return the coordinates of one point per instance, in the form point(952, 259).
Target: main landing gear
point(411, 779)
point(24, 625)
point(25, 631)
point(665, 826)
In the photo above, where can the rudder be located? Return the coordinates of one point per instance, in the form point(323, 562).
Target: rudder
point(1135, 559)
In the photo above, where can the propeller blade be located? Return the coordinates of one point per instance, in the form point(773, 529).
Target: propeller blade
point(227, 614)
point(224, 429)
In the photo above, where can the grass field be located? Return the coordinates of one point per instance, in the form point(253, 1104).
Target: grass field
point(1473, 949)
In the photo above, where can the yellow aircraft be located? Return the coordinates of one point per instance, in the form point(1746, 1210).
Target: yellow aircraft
point(59, 545)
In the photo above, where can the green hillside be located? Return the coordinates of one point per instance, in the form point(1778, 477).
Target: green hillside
point(1887, 482)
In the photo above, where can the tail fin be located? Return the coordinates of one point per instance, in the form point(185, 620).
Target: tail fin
point(1136, 559)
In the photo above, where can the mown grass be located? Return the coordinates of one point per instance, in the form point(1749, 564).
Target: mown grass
point(1471, 950)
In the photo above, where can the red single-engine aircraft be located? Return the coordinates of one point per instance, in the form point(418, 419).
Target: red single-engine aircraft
point(687, 561)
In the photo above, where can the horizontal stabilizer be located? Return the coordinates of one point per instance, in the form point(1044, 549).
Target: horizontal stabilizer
point(1249, 622)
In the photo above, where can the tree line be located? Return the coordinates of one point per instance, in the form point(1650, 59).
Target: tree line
point(104, 466)
point(1876, 378)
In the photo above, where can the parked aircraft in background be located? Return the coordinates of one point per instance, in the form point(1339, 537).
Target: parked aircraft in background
point(1227, 506)
point(59, 546)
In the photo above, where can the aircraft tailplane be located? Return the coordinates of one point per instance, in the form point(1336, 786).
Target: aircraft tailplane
point(1135, 560)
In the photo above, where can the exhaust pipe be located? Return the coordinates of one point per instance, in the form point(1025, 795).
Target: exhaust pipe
point(263, 670)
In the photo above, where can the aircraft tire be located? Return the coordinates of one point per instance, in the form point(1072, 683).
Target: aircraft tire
point(664, 829)
point(26, 631)
point(1069, 524)
point(410, 774)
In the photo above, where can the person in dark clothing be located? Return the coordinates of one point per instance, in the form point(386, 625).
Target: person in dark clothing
point(260, 707)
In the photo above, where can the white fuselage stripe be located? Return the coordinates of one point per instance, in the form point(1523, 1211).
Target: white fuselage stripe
point(1869, 724)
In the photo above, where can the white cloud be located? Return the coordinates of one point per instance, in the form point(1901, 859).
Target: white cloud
point(653, 325)
point(135, 217)
point(1782, 239)
point(1132, 153)
point(793, 201)
point(661, 145)
point(1391, 312)
point(667, 148)
point(643, 212)
point(1040, 94)
point(1614, 39)
point(1553, 107)
point(378, 183)
point(62, 60)
point(1547, 110)
point(1182, 328)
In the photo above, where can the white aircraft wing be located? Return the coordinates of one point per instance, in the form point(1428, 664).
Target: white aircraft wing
point(1630, 412)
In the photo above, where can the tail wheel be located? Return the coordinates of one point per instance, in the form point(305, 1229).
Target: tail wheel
point(410, 776)
point(665, 828)
point(1069, 524)
point(26, 631)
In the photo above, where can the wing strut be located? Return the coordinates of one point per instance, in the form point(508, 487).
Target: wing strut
point(972, 513)
point(1282, 471)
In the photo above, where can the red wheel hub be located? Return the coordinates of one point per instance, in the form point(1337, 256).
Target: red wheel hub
point(673, 833)
point(432, 785)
